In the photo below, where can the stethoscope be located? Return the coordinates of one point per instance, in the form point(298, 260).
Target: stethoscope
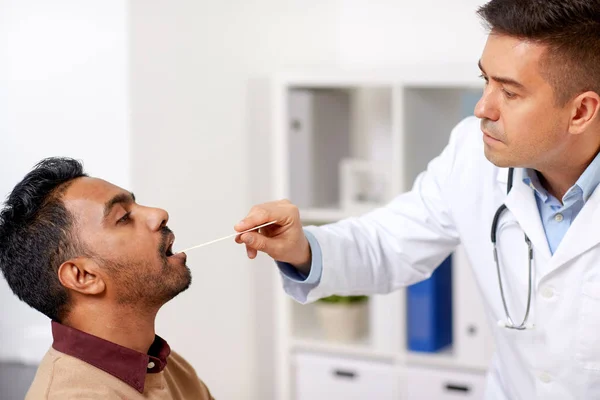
point(509, 321)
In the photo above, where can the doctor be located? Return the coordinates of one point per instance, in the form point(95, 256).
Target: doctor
point(539, 118)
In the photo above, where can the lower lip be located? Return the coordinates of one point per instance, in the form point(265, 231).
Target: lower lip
point(179, 256)
point(488, 139)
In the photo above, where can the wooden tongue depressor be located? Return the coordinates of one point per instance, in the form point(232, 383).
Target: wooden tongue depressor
point(226, 237)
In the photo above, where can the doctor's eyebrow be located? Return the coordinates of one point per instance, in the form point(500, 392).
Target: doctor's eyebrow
point(506, 81)
point(121, 198)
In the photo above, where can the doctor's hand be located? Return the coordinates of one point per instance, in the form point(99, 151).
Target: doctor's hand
point(283, 241)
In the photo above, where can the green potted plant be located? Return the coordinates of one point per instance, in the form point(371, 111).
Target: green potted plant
point(343, 318)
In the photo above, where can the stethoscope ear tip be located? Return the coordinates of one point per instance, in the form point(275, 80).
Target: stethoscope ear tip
point(502, 324)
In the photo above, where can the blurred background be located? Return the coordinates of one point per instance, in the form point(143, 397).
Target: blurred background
point(175, 101)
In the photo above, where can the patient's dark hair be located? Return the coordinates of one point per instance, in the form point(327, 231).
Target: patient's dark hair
point(569, 28)
point(36, 235)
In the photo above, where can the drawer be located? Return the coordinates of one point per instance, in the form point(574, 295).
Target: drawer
point(425, 383)
point(321, 377)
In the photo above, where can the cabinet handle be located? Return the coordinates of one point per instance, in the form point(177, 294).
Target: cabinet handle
point(451, 387)
point(296, 125)
point(344, 374)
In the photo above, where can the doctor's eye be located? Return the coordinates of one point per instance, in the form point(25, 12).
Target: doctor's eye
point(509, 95)
point(482, 76)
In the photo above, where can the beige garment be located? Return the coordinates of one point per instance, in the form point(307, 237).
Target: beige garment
point(62, 377)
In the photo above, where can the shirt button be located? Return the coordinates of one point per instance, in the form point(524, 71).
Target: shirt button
point(545, 377)
point(558, 217)
point(150, 365)
point(547, 292)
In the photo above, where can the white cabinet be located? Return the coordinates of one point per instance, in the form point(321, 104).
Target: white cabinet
point(319, 377)
point(472, 335)
point(427, 383)
point(333, 134)
point(318, 140)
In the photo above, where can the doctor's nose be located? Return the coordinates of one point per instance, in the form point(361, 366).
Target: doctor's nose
point(486, 108)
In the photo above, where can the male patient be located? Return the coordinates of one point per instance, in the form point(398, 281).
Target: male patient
point(83, 252)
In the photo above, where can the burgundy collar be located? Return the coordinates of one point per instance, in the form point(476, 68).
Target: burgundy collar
point(121, 362)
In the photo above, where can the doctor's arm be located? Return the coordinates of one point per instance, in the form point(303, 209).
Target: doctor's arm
point(389, 248)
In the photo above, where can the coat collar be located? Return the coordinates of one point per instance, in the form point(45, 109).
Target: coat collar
point(579, 237)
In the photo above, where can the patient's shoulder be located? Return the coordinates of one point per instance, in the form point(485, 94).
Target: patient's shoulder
point(179, 371)
point(60, 376)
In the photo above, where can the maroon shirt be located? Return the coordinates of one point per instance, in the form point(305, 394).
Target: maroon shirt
point(123, 363)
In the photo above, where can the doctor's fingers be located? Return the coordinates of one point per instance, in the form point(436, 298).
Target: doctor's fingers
point(258, 242)
point(252, 253)
point(253, 240)
point(282, 211)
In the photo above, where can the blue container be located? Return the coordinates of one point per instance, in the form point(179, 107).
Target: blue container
point(429, 311)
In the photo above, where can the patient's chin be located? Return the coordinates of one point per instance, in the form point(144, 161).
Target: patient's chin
point(181, 284)
point(186, 281)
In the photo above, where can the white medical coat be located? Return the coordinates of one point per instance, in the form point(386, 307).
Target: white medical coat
point(453, 202)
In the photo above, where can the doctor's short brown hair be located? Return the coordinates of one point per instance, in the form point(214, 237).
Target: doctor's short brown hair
point(569, 28)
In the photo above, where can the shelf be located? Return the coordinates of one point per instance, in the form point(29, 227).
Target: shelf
point(323, 215)
point(333, 133)
point(442, 359)
point(358, 349)
point(309, 335)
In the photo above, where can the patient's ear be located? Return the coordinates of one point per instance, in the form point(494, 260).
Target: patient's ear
point(80, 274)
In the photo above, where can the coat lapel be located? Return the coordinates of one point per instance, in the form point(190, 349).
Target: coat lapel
point(521, 203)
point(582, 235)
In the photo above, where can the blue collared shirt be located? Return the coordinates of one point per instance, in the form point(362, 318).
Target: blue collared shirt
point(556, 217)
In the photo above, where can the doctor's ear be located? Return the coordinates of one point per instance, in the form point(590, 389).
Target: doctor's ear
point(80, 275)
point(586, 110)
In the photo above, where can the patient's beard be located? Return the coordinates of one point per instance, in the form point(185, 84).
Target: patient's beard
point(137, 287)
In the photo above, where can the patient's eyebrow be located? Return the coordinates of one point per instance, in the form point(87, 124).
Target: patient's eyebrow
point(121, 198)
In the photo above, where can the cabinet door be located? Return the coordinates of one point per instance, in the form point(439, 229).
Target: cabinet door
point(301, 137)
point(322, 377)
point(423, 383)
point(473, 341)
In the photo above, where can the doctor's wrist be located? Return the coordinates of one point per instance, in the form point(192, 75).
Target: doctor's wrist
point(304, 267)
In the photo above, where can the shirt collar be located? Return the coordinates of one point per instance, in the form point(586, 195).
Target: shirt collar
point(585, 185)
point(531, 179)
point(590, 178)
point(123, 363)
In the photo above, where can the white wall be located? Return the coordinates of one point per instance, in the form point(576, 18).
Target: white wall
point(196, 74)
point(200, 140)
point(384, 33)
point(63, 91)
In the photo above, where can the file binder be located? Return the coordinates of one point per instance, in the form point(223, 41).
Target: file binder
point(429, 311)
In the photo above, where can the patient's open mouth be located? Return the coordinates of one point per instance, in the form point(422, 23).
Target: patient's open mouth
point(169, 249)
point(169, 240)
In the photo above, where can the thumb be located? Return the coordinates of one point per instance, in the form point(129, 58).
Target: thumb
point(256, 241)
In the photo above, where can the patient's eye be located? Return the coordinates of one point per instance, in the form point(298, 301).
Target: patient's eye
point(124, 219)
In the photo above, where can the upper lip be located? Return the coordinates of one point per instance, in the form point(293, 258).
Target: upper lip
point(170, 241)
